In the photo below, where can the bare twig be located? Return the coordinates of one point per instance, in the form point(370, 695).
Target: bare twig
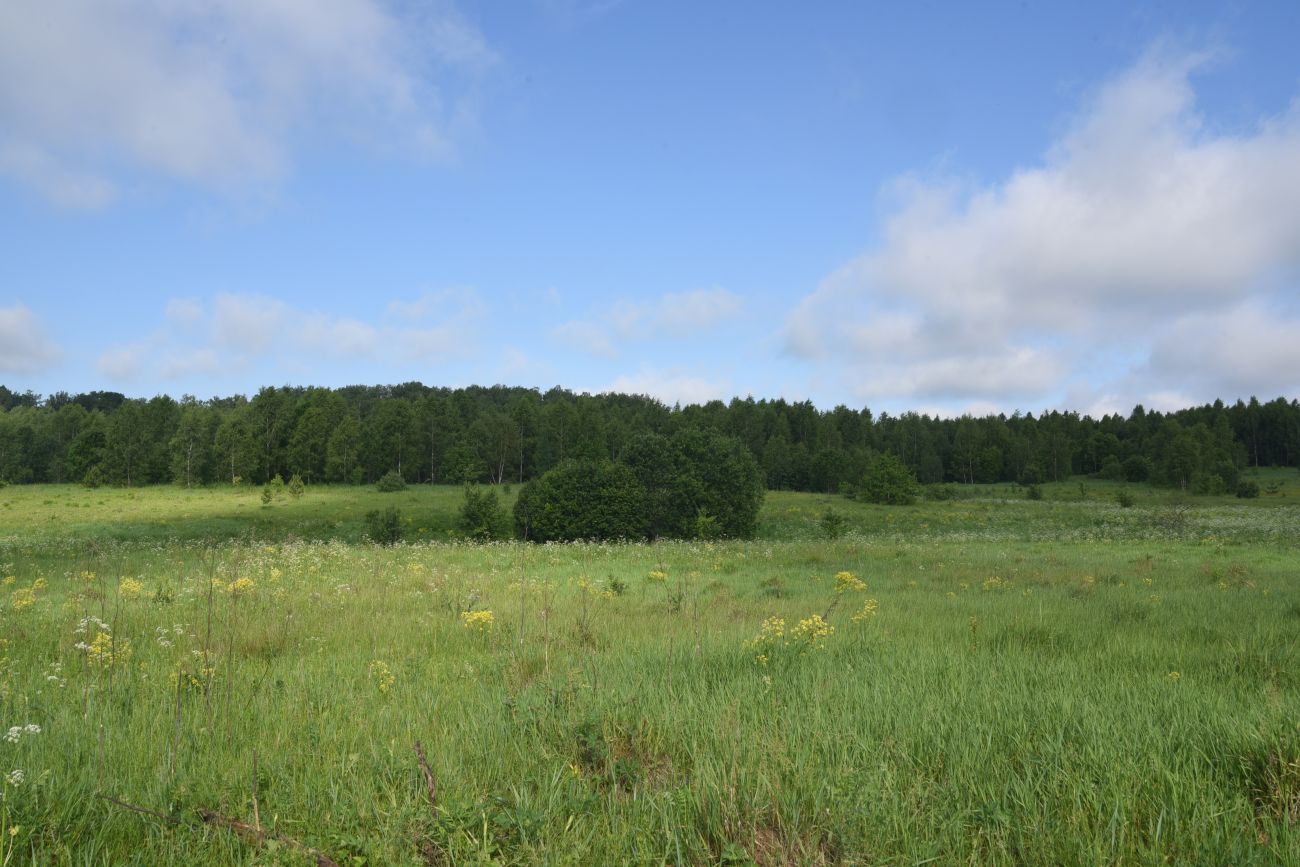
point(257, 836)
point(428, 775)
point(257, 818)
point(171, 820)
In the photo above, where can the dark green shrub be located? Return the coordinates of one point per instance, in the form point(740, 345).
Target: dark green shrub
point(93, 478)
point(888, 482)
point(832, 524)
point(296, 486)
point(384, 528)
point(1032, 475)
point(1247, 489)
point(390, 482)
point(1034, 492)
point(582, 500)
point(1138, 469)
point(481, 516)
point(1124, 498)
point(720, 478)
point(940, 493)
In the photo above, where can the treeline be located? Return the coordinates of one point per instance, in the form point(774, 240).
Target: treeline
point(358, 433)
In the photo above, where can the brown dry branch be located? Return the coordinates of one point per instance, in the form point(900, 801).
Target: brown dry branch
point(257, 837)
point(428, 775)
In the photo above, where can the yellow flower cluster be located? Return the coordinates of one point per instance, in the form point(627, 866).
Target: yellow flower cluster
point(869, 610)
point(276, 574)
point(22, 598)
point(241, 587)
point(812, 632)
point(382, 677)
point(105, 652)
point(658, 576)
point(130, 588)
point(480, 621)
point(846, 581)
point(770, 636)
point(996, 583)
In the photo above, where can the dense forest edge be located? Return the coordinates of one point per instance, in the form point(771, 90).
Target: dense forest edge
point(422, 434)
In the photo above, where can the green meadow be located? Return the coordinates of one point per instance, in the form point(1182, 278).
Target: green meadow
point(193, 677)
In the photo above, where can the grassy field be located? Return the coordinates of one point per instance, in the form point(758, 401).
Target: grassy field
point(994, 680)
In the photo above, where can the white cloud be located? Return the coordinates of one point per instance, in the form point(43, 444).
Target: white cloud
point(673, 314)
point(24, 345)
point(1141, 216)
point(123, 362)
point(215, 92)
point(670, 386)
point(237, 330)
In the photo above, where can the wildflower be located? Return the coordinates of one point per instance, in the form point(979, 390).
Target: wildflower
point(105, 652)
point(868, 611)
point(658, 576)
point(9, 580)
point(812, 632)
point(846, 581)
point(130, 588)
point(276, 574)
point(241, 587)
point(15, 777)
point(1155, 598)
point(382, 677)
point(23, 598)
point(87, 576)
point(1173, 676)
point(480, 621)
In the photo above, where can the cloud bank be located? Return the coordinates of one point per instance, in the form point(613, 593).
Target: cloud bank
point(217, 93)
point(1148, 251)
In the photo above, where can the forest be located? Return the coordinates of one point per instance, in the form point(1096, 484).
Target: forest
point(497, 434)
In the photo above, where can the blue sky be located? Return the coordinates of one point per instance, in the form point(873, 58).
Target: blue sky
point(947, 207)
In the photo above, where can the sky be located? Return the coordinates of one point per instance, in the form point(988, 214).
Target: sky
point(941, 207)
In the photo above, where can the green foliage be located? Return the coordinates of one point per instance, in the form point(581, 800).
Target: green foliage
point(384, 527)
point(582, 500)
point(1247, 489)
point(888, 482)
point(481, 516)
point(1034, 492)
point(1124, 498)
point(940, 493)
point(832, 524)
point(93, 478)
point(1138, 468)
point(390, 483)
point(267, 495)
point(296, 486)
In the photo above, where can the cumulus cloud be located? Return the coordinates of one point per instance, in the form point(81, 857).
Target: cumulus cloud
point(674, 315)
point(1141, 225)
point(24, 345)
point(214, 93)
point(236, 330)
point(675, 385)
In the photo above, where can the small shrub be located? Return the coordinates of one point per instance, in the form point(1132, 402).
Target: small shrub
point(1247, 489)
point(276, 486)
point(1125, 499)
point(707, 527)
point(889, 482)
point(267, 495)
point(390, 482)
point(1034, 492)
point(617, 586)
point(384, 528)
point(296, 486)
point(832, 524)
point(481, 516)
point(940, 493)
point(94, 477)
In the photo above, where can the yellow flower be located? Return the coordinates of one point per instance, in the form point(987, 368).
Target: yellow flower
point(241, 587)
point(105, 652)
point(812, 632)
point(657, 575)
point(1173, 676)
point(9, 580)
point(845, 581)
point(24, 598)
point(276, 574)
point(130, 588)
point(87, 576)
point(868, 611)
point(480, 621)
point(382, 677)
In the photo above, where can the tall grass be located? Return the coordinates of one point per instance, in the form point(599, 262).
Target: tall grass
point(1012, 699)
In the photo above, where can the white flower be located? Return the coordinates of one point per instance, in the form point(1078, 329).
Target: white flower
point(16, 777)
